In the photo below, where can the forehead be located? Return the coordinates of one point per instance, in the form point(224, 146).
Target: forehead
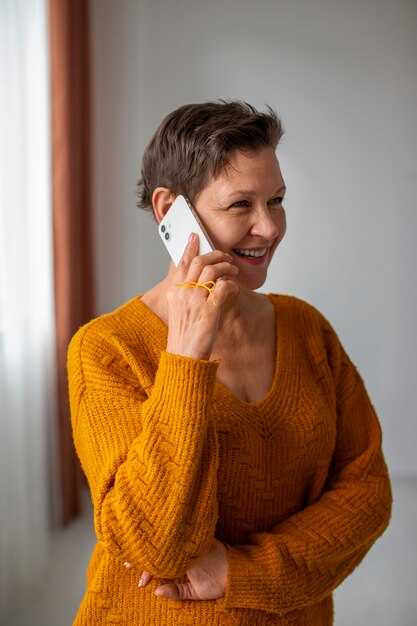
point(256, 169)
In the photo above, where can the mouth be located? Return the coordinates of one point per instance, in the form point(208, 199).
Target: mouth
point(254, 256)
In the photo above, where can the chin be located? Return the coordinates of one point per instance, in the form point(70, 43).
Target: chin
point(250, 284)
point(253, 277)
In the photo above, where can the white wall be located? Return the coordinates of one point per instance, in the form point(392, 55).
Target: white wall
point(342, 76)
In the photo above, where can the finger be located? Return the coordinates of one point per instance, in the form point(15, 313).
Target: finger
point(176, 591)
point(203, 262)
point(225, 287)
point(209, 288)
point(214, 272)
point(128, 565)
point(190, 252)
point(145, 579)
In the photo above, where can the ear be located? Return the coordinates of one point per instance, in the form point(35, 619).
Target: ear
point(162, 198)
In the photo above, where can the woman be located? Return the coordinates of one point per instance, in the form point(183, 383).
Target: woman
point(232, 452)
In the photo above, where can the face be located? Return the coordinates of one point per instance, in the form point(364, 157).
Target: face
point(242, 212)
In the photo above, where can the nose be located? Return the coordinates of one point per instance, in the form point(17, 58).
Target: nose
point(269, 225)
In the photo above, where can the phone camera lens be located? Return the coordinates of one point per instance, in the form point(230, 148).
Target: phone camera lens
point(167, 236)
point(163, 228)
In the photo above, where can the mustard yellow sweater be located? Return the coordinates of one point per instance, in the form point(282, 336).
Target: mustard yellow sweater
point(295, 484)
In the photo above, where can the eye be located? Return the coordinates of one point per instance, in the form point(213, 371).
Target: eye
point(277, 200)
point(240, 204)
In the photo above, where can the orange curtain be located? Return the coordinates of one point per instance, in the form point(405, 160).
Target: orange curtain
point(71, 173)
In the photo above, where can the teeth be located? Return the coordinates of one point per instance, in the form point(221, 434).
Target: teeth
point(251, 253)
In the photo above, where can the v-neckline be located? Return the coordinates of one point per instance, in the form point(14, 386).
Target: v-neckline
point(226, 392)
point(222, 389)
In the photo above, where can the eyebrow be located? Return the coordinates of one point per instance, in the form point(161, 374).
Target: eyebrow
point(247, 192)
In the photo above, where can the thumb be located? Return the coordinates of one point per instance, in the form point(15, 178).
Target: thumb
point(176, 591)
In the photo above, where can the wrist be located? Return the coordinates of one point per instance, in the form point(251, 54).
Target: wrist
point(189, 352)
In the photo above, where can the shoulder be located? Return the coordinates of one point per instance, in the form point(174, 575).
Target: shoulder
point(111, 339)
point(311, 330)
point(105, 326)
point(317, 338)
point(301, 312)
point(117, 353)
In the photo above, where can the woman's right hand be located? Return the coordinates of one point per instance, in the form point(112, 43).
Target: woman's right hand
point(193, 317)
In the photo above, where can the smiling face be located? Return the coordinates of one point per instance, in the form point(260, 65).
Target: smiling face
point(242, 212)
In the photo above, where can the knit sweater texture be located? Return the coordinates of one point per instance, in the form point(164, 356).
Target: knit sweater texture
point(295, 485)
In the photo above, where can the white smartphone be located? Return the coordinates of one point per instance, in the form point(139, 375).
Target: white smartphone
point(179, 222)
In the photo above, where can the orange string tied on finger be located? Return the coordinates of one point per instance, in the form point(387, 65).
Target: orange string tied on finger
point(209, 285)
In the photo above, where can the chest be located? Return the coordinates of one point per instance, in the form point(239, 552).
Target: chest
point(274, 457)
point(247, 368)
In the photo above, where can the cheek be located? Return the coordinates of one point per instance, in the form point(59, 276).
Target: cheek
point(282, 229)
point(225, 232)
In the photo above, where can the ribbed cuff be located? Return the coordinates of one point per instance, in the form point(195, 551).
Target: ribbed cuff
point(181, 394)
point(182, 379)
point(247, 581)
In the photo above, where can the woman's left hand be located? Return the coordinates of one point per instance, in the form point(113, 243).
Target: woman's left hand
point(206, 579)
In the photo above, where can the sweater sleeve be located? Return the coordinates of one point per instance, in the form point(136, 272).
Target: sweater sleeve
point(149, 454)
point(304, 558)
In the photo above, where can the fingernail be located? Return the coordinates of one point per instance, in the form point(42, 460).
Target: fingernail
point(191, 238)
point(126, 564)
point(234, 269)
point(229, 257)
point(140, 583)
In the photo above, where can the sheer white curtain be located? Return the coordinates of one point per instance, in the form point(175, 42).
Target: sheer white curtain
point(26, 298)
